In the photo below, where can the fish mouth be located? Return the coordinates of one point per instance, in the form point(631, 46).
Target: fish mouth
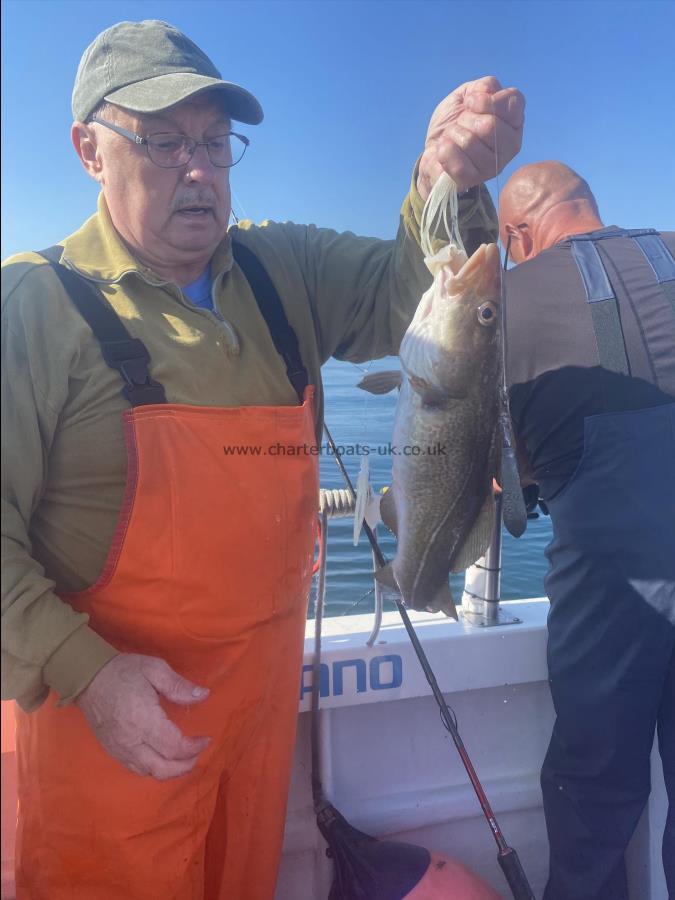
point(481, 272)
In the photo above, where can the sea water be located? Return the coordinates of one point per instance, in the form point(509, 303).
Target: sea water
point(356, 420)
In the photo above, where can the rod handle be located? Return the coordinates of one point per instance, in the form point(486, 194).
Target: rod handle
point(515, 874)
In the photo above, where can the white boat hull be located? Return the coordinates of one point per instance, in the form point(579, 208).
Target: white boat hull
point(392, 770)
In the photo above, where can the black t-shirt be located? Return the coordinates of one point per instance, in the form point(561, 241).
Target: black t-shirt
point(555, 380)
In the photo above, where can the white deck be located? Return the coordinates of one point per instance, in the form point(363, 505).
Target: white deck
point(391, 769)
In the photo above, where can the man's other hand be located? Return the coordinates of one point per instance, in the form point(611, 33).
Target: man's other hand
point(122, 707)
point(472, 134)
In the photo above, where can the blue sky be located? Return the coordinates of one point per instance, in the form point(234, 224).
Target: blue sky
point(348, 88)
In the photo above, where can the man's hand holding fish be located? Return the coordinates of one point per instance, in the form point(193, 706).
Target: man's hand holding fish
point(473, 133)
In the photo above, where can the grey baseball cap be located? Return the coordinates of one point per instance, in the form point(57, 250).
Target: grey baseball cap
point(148, 67)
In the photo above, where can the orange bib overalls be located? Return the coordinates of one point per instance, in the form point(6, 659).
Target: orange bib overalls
point(209, 569)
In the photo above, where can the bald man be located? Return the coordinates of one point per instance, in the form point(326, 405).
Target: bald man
point(590, 316)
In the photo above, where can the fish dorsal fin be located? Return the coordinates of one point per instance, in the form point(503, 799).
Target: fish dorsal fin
point(478, 539)
point(381, 382)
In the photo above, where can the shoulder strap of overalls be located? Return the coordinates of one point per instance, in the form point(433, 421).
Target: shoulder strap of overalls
point(128, 356)
point(659, 258)
point(600, 294)
point(270, 306)
point(602, 302)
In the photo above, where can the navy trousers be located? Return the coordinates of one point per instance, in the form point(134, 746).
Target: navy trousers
point(611, 651)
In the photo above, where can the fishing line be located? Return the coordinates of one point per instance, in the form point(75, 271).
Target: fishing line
point(239, 204)
point(502, 291)
point(361, 369)
point(359, 601)
point(364, 370)
point(513, 512)
point(385, 599)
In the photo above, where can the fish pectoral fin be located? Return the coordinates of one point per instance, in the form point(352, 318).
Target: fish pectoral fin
point(381, 382)
point(443, 602)
point(430, 394)
point(478, 539)
point(385, 576)
point(388, 511)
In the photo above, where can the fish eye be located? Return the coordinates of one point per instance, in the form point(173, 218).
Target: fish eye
point(487, 313)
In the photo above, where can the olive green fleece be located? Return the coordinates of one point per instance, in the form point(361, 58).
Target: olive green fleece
point(64, 456)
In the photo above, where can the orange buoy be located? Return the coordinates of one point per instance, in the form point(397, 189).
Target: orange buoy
point(445, 878)
point(367, 868)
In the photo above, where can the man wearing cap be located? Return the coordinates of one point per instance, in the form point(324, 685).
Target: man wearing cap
point(157, 553)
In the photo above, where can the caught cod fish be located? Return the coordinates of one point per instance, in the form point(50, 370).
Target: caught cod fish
point(451, 430)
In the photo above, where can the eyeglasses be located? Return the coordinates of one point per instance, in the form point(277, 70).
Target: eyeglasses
point(171, 151)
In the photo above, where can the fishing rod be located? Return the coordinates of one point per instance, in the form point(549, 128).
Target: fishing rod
point(507, 857)
point(366, 867)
